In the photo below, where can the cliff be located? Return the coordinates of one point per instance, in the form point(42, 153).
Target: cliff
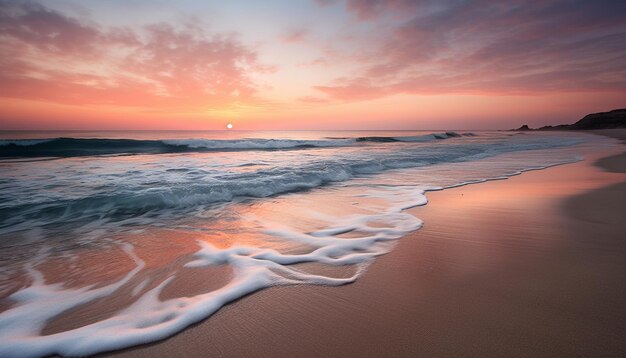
point(603, 120)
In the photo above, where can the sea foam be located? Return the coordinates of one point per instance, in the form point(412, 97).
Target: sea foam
point(149, 318)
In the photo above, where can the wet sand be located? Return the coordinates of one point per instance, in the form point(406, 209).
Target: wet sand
point(530, 266)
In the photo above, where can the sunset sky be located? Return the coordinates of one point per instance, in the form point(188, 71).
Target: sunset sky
point(305, 64)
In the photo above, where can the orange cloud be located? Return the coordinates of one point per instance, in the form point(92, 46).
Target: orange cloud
point(48, 56)
point(365, 64)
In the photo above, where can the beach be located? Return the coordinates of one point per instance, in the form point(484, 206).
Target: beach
point(315, 244)
point(529, 266)
point(315, 178)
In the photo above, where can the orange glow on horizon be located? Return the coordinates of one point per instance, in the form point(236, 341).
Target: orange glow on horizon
point(368, 65)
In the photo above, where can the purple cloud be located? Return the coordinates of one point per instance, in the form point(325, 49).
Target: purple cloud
point(489, 47)
point(295, 35)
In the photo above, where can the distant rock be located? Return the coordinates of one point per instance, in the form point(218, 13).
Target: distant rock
point(560, 127)
point(603, 120)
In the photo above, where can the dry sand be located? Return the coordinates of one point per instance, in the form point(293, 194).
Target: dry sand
point(530, 266)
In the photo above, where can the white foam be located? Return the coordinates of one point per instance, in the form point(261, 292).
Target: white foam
point(149, 319)
point(254, 143)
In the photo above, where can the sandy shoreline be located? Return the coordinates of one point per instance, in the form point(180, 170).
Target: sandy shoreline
point(530, 266)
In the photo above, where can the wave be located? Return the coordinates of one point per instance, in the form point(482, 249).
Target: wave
point(180, 189)
point(21, 142)
point(415, 139)
point(76, 147)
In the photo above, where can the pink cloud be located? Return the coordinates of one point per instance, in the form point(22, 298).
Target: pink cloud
point(355, 89)
point(326, 2)
point(314, 100)
point(295, 35)
point(488, 47)
point(368, 9)
point(46, 55)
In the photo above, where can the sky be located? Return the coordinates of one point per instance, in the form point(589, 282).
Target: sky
point(308, 64)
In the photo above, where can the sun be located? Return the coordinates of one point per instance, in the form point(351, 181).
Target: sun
point(229, 126)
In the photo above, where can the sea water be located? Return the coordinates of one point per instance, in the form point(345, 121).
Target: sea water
point(91, 218)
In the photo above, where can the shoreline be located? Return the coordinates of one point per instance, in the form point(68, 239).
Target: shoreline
point(442, 291)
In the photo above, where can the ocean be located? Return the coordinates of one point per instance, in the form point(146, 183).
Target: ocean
point(112, 239)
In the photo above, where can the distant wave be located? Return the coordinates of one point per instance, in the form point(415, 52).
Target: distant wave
point(139, 194)
point(74, 147)
point(416, 139)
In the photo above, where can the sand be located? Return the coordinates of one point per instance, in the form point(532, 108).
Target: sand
point(530, 266)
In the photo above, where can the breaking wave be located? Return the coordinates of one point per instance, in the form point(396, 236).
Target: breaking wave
point(73, 147)
point(135, 193)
